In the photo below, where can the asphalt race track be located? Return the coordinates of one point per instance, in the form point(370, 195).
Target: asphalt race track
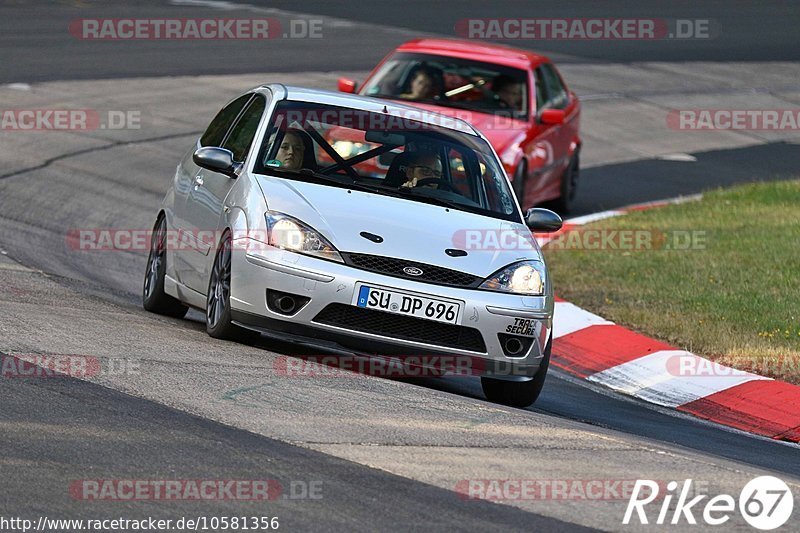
point(388, 453)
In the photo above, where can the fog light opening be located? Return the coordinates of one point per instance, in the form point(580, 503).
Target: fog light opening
point(513, 346)
point(286, 304)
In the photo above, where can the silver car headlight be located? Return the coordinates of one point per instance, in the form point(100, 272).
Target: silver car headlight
point(525, 277)
point(288, 233)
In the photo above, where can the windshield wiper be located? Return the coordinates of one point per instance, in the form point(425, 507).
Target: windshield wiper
point(409, 192)
point(402, 192)
point(307, 172)
point(463, 105)
point(458, 104)
point(327, 178)
point(347, 182)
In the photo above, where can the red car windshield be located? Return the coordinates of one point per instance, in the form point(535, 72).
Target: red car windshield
point(452, 82)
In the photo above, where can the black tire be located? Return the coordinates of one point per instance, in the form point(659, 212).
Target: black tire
point(218, 297)
point(569, 185)
point(154, 299)
point(520, 177)
point(518, 393)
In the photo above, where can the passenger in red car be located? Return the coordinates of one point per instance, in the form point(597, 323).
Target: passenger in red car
point(425, 84)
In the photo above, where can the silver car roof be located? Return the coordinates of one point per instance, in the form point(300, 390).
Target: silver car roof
point(366, 103)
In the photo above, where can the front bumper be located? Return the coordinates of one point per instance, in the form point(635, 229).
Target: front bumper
point(257, 267)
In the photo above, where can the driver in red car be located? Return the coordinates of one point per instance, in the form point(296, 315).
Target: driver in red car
point(509, 91)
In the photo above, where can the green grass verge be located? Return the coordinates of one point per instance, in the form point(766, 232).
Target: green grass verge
point(733, 295)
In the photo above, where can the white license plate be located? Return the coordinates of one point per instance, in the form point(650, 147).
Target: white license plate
point(404, 303)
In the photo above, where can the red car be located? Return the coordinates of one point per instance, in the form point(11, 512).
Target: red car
point(515, 97)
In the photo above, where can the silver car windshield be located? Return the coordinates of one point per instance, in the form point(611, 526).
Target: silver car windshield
point(385, 154)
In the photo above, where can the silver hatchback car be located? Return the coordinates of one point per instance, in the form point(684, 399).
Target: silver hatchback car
point(351, 223)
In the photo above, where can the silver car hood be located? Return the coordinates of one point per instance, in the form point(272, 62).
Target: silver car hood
point(410, 230)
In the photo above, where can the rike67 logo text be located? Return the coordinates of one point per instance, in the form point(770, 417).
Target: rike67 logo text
point(765, 503)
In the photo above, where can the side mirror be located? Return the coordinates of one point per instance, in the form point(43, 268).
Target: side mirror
point(217, 160)
point(542, 220)
point(552, 116)
point(347, 85)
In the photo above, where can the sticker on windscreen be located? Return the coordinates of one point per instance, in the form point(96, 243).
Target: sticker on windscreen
point(522, 326)
point(273, 163)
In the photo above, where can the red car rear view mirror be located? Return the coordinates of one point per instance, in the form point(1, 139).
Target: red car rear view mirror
point(551, 116)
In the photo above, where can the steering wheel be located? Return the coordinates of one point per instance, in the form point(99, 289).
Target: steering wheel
point(442, 184)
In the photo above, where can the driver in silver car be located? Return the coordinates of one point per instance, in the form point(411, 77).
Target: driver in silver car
point(423, 166)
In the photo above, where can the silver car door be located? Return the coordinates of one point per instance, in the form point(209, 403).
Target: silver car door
point(189, 247)
point(207, 196)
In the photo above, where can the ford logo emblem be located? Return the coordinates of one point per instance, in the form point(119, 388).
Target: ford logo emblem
point(413, 271)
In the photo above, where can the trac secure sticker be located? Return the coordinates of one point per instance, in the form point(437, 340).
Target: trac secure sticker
point(522, 326)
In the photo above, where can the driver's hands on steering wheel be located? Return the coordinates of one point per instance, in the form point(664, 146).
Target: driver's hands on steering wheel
point(413, 183)
point(433, 183)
